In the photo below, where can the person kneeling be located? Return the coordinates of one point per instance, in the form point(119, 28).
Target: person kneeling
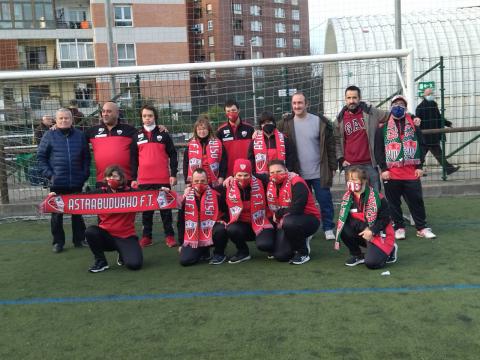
point(364, 221)
point(295, 213)
point(114, 232)
point(201, 222)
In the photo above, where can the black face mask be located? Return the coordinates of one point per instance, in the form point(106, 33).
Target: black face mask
point(268, 128)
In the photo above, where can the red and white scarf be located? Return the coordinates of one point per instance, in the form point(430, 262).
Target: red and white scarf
point(199, 225)
point(259, 220)
point(261, 152)
point(195, 158)
point(282, 198)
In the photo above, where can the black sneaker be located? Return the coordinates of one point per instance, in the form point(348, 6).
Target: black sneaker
point(57, 248)
point(217, 259)
point(206, 255)
point(238, 258)
point(99, 266)
point(299, 259)
point(393, 256)
point(355, 260)
point(120, 260)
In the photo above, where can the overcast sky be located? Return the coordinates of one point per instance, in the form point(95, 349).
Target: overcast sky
point(321, 10)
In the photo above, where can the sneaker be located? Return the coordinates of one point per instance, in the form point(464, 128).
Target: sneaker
point(206, 255)
point(307, 243)
point(170, 241)
point(329, 235)
point(145, 241)
point(355, 260)
point(270, 257)
point(299, 259)
point(400, 234)
point(426, 233)
point(99, 266)
point(452, 169)
point(57, 248)
point(120, 260)
point(238, 258)
point(393, 256)
point(81, 244)
point(217, 259)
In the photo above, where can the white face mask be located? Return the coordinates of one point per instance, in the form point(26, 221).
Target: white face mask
point(149, 128)
point(429, 97)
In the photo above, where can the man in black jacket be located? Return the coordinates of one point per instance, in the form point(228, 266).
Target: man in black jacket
point(428, 111)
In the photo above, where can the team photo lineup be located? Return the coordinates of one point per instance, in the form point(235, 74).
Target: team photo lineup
point(267, 187)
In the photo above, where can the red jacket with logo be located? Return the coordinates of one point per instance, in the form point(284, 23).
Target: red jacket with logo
point(236, 142)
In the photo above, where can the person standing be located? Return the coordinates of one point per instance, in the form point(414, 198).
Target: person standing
point(42, 128)
point(64, 159)
point(313, 144)
point(354, 129)
point(235, 135)
point(157, 168)
point(399, 154)
point(113, 142)
point(428, 111)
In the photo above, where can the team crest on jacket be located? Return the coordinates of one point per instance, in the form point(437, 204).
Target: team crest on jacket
point(101, 130)
point(159, 137)
point(119, 132)
point(141, 136)
point(244, 133)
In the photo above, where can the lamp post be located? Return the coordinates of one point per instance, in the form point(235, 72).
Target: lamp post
point(255, 121)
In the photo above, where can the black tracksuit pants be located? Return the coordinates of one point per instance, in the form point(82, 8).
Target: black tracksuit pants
point(56, 223)
point(191, 256)
point(436, 151)
point(147, 216)
point(241, 232)
point(128, 248)
point(375, 258)
point(411, 190)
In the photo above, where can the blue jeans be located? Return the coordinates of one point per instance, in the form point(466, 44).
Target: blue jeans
point(324, 199)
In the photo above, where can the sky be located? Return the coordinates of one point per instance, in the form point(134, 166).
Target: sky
point(321, 10)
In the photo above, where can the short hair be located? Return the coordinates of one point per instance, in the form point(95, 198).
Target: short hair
point(301, 93)
point(111, 169)
point(277, 162)
point(203, 119)
point(361, 173)
point(354, 88)
point(63, 110)
point(201, 171)
point(267, 116)
point(231, 102)
point(150, 108)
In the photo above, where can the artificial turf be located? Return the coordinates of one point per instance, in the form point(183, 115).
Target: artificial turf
point(421, 322)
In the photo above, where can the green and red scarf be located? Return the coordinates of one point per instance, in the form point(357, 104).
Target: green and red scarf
point(199, 224)
point(261, 152)
point(213, 154)
point(371, 205)
point(400, 152)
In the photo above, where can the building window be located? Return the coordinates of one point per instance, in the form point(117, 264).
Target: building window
point(76, 53)
point(280, 13)
point(238, 40)
point(126, 54)
point(296, 27)
point(211, 56)
point(280, 42)
point(281, 54)
point(280, 28)
point(5, 16)
point(237, 24)
point(210, 25)
point(197, 28)
point(295, 14)
point(294, 2)
point(257, 55)
point(209, 9)
point(296, 43)
point(27, 14)
point(255, 10)
point(257, 41)
point(237, 9)
point(239, 55)
point(256, 26)
point(279, 1)
point(211, 41)
point(123, 16)
point(33, 57)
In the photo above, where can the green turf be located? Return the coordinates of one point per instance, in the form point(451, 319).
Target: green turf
point(441, 324)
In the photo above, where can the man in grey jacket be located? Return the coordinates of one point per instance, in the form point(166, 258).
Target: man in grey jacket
point(312, 142)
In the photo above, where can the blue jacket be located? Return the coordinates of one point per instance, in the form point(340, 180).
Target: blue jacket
point(64, 159)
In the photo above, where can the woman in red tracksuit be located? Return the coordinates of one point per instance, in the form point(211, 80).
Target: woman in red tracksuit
point(295, 214)
point(364, 221)
point(114, 232)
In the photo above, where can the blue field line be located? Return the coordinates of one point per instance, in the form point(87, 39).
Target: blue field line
point(234, 294)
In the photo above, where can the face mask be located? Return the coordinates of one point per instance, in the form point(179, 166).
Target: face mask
point(200, 188)
point(429, 98)
point(243, 183)
point(113, 183)
point(268, 128)
point(279, 178)
point(149, 128)
point(232, 116)
point(354, 187)
point(398, 111)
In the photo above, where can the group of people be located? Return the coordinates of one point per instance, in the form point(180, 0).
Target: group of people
point(247, 185)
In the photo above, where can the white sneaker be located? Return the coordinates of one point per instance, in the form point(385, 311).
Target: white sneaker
point(329, 235)
point(400, 234)
point(426, 233)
